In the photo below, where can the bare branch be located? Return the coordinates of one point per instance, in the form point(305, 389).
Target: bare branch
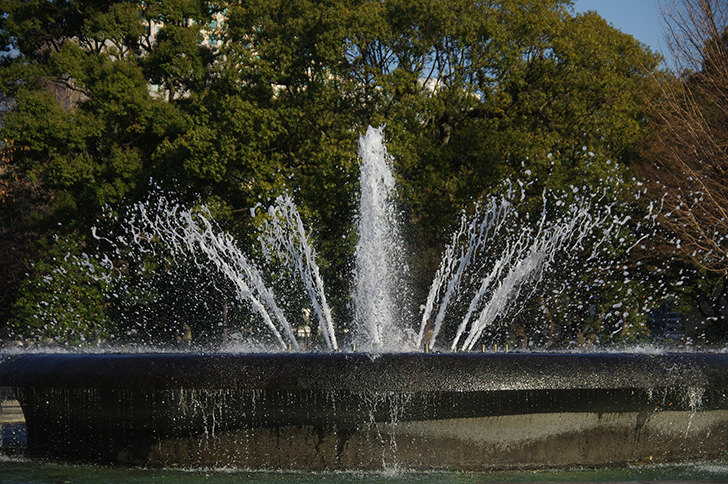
point(691, 133)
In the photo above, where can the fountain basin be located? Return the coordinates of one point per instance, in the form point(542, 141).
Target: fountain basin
point(467, 411)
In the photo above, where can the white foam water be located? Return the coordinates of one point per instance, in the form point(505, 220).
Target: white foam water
point(284, 236)
point(379, 252)
point(495, 262)
point(194, 234)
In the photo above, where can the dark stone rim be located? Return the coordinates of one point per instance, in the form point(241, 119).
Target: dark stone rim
point(357, 372)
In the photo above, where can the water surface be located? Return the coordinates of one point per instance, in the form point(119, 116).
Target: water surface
point(22, 471)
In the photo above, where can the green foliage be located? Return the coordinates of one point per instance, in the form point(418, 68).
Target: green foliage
point(107, 95)
point(83, 103)
point(63, 300)
point(160, 301)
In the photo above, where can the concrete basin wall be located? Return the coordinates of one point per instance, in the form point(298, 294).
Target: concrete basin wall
point(361, 411)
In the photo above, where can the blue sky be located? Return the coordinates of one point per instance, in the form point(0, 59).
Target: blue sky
point(639, 18)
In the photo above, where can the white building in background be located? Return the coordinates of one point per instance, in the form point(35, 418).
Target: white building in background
point(212, 32)
point(212, 36)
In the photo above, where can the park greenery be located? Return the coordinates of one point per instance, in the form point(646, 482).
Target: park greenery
point(231, 104)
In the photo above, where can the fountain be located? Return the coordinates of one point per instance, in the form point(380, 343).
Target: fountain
point(390, 405)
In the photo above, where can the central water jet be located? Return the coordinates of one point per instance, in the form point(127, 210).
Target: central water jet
point(379, 272)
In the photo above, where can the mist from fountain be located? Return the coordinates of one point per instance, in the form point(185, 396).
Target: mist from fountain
point(522, 266)
point(194, 235)
point(284, 237)
point(467, 243)
point(496, 259)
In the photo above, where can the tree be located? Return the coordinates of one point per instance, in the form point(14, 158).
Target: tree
point(81, 115)
point(20, 199)
point(691, 135)
point(689, 162)
point(83, 107)
point(520, 90)
point(471, 93)
point(64, 301)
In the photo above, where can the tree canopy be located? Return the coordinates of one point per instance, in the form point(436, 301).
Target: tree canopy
point(238, 102)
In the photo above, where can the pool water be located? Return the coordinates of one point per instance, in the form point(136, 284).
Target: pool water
point(19, 470)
